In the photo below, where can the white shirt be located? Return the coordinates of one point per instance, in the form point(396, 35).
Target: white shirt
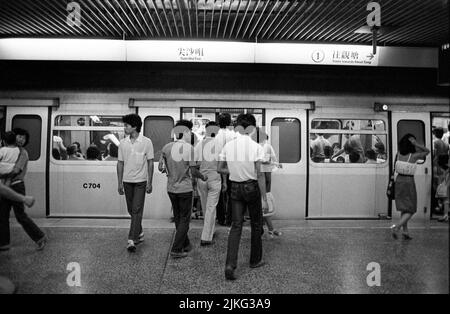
point(241, 155)
point(135, 156)
point(223, 137)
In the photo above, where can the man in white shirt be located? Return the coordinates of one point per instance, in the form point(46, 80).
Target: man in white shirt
point(242, 159)
point(135, 174)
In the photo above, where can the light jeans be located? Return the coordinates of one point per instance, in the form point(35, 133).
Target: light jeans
point(209, 192)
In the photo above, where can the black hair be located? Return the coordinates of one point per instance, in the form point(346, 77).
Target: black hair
point(9, 138)
point(212, 128)
point(380, 147)
point(438, 132)
point(180, 127)
point(56, 154)
point(92, 152)
point(328, 151)
point(224, 120)
point(443, 161)
point(72, 149)
point(113, 150)
point(134, 120)
point(23, 132)
point(405, 146)
point(78, 145)
point(245, 120)
point(354, 157)
point(336, 145)
point(370, 153)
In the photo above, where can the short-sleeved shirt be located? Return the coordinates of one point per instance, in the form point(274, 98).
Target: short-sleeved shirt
point(206, 155)
point(178, 157)
point(241, 155)
point(318, 147)
point(135, 157)
point(440, 148)
point(269, 156)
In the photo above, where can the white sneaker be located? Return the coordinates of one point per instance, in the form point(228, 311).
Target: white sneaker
point(130, 246)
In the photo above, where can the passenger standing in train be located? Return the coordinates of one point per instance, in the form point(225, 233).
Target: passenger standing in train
point(352, 144)
point(242, 158)
point(18, 186)
point(409, 152)
point(446, 137)
point(444, 182)
point(318, 148)
point(209, 191)
point(225, 135)
point(180, 165)
point(135, 174)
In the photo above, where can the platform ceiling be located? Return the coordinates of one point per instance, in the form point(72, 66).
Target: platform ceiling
point(420, 23)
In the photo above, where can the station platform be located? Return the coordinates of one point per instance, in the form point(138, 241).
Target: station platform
point(312, 256)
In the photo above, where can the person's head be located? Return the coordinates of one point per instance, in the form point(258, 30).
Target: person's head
point(211, 128)
point(370, 154)
point(92, 153)
point(246, 123)
point(22, 137)
point(132, 123)
point(405, 146)
point(56, 154)
point(328, 151)
point(348, 148)
point(336, 147)
point(9, 138)
point(183, 129)
point(379, 148)
point(113, 150)
point(340, 159)
point(78, 145)
point(224, 120)
point(443, 161)
point(72, 150)
point(438, 132)
point(354, 157)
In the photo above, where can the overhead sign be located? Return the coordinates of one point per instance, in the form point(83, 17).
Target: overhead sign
point(316, 54)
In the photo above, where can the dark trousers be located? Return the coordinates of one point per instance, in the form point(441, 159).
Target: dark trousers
point(244, 196)
point(135, 197)
point(223, 208)
point(182, 205)
point(28, 225)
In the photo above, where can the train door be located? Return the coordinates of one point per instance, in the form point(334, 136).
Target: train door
point(417, 124)
point(287, 134)
point(35, 121)
point(158, 121)
point(83, 160)
point(348, 166)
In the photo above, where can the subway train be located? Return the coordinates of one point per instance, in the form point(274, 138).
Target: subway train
point(304, 188)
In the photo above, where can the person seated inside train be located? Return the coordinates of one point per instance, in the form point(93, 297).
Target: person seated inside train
point(318, 148)
point(371, 156)
point(352, 144)
point(354, 157)
point(328, 151)
point(381, 152)
point(72, 153)
point(340, 159)
point(93, 153)
point(79, 152)
point(112, 152)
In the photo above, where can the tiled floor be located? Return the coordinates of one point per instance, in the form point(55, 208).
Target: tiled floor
point(310, 257)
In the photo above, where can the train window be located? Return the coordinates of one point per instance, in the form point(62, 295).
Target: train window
point(289, 142)
point(33, 124)
point(158, 129)
point(81, 137)
point(358, 141)
point(414, 127)
point(348, 124)
point(348, 148)
point(201, 116)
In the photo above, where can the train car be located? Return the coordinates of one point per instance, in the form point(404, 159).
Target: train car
point(305, 188)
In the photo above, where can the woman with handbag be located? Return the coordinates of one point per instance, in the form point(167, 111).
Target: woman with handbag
point(442, 190)
point(409, 152)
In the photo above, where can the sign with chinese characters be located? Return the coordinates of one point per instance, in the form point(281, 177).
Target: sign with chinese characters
point(316, 54)
point(190, 54)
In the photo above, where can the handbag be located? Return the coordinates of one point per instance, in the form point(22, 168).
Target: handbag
point(442, 190)
point(390, 191)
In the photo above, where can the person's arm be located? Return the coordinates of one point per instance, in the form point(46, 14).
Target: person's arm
point(222, 168)
point(120, 176)
point(338, 153)
point(196, 173)
point(262, 185)
point(421, 151)
point(150, 176)
point(12, 195)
